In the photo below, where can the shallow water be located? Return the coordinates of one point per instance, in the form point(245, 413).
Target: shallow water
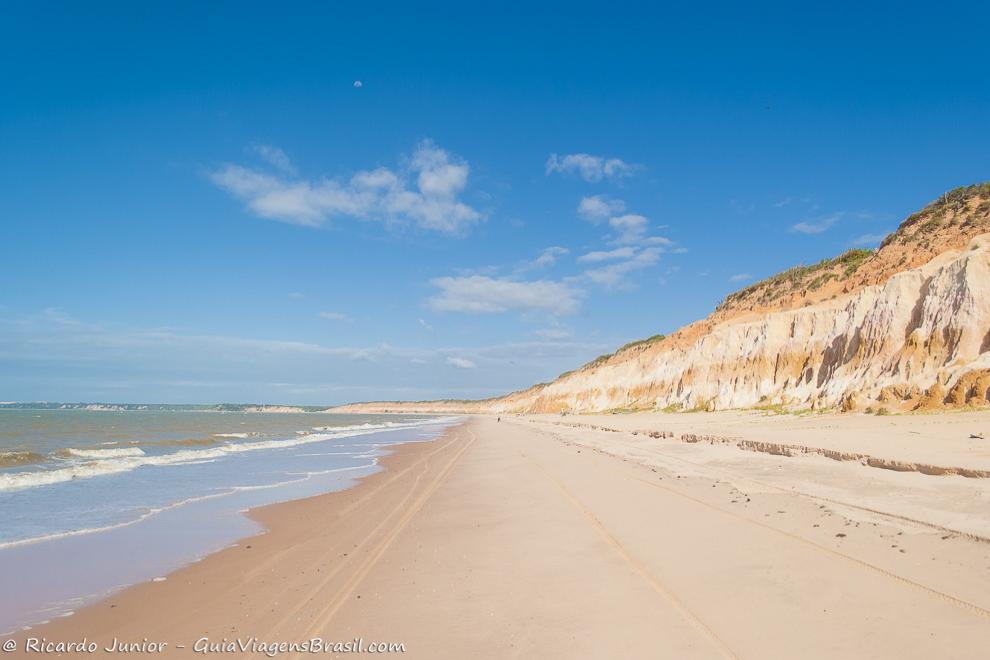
point(122, 497)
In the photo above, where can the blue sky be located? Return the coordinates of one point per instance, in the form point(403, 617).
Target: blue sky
point(200, 203)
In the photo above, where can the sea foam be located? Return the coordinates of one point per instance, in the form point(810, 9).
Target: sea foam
point(104, 453)
point(115, 461)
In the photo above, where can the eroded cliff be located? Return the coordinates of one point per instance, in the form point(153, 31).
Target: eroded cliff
point(903, 328)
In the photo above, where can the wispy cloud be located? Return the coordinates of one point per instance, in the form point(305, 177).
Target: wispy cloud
point(739, 277)
point(588, 167)
point(425, 325)
point(633, 249)
point(275, 157)
point(669, 273)
point(806, 202)
point(868, 239)
point(296, 295)
point(553, 333)
point(424, 193)
point(46, 338)
point(548, 257)
point(480, 294)
point(94, 361)
point(614, 275)
point(598, 207)
point(334, 316)
point(57, 316)
point(630, 228)
point(460, 363)
point(817, 226)
point(607, 255)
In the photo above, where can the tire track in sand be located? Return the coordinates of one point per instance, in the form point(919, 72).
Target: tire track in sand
point(304, 602)
point(354, 507)
point(375, 554)
point(279, 558)
point(959, 602)
point(689, 615)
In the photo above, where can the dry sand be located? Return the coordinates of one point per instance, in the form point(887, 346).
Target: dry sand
point(526, 538)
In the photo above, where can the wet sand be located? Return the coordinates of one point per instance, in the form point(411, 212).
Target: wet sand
point(527, 539)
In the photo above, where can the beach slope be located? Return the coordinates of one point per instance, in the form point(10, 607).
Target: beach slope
point(522, 539)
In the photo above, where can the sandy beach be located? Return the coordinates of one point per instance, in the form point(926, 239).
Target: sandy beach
point(479, 331)
point(545, 537)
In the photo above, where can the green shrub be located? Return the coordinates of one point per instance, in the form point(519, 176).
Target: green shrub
point(642, 342)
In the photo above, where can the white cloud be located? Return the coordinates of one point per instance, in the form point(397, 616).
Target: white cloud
point(630, 228)
point(617, 253)
point(425, 325)
point(334, 316)
point(275, 157)
point(553, 333)
point(670, 272)
point(295, 295)
point(431, 202)
point(480, 294)
point(868, 239)
point(598, 207)
point(57, 316)
point(817, 226)
point(660, 240)
point(97, 362)
point(614, 275)
point(739, 277)
point(460, 363)
point(588, 167)
point(634, 250)
point(547, 258)
point(525, 352)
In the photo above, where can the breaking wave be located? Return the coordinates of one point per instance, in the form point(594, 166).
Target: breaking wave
point(114, 461)
point(100, 453)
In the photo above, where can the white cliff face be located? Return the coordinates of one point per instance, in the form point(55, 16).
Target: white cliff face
point(917, 340)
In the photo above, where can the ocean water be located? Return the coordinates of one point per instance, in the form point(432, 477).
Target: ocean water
point(92, 501)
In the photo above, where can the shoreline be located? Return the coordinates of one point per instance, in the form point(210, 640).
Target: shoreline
point(97, 521)
point(523, 537)
point(276, 520)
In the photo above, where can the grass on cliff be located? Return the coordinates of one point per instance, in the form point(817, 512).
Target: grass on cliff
point(931, 218)
point(954, 208)
point(800, 277)
point(954, 205)
point(602, 359)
